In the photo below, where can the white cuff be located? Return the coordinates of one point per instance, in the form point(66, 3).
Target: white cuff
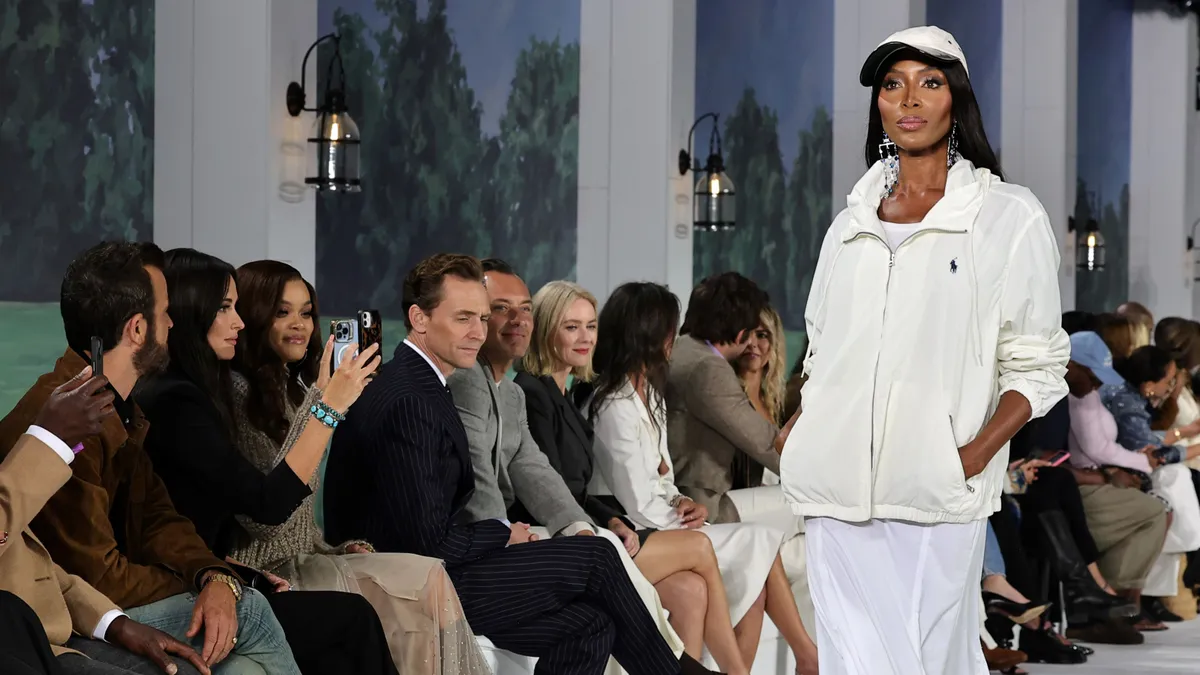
point(56, 444)
point(106, 621)
point(575, 528)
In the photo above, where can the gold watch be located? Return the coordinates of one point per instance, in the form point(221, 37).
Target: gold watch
point(233, 584)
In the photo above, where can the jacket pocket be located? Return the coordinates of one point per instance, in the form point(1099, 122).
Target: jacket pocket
point(919, 466)
point(827, 458)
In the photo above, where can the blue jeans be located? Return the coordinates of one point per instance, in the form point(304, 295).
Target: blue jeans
point(993, 559)
point(261, 647)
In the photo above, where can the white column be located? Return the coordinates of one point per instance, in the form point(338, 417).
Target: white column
point(636, 104)
point(858, 26)
point(224, 140)
point(1163, 132)
point(1040, 59)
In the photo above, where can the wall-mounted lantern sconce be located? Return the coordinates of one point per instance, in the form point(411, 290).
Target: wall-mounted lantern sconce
point(335, 136)
point(713, 206)
point(1089, 245)
point(1191, 247)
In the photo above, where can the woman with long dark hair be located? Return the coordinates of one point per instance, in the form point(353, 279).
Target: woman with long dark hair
point(277, 377)
point(189, 440)
point(636, 332)
point(934, 336)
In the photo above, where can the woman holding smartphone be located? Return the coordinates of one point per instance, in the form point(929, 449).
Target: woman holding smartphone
point(934, 336)
point(252, 496)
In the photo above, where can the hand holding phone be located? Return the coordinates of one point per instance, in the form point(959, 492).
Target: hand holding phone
point(97, 354)
point(1058, 458)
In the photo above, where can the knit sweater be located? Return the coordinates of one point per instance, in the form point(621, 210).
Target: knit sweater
point(274, 548)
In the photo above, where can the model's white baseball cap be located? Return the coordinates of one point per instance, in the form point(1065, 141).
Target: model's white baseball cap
point(928, 40)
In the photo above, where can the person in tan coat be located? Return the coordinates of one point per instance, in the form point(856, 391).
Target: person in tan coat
point(73, 619)
point(710, 420)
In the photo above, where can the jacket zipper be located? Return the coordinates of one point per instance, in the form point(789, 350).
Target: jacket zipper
point(883, 323)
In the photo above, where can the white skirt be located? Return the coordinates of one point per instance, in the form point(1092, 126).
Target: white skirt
point(896, 598)
point(745, 553)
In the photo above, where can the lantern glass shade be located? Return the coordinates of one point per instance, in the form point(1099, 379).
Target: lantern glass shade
point(715, 202)
point(1089, 252)
point(336, 142)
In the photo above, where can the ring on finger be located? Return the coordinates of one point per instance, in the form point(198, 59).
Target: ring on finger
point(235, 640)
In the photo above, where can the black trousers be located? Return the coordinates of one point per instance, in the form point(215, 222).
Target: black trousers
point(1056, 490)
point(333, 633)
point(24, 647)
point(568, 601)
point(1019, 568)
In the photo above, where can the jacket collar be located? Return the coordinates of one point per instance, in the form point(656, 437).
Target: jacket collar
point(113, 431)
point(954, 212)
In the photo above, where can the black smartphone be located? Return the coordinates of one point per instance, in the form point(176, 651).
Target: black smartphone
point(97, 356)
point(350, 335)
point(252, 577)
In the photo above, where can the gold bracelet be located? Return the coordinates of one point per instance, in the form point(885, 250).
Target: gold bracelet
point(228, 581)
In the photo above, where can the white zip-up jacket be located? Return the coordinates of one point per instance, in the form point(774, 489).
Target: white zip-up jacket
point(910, 351)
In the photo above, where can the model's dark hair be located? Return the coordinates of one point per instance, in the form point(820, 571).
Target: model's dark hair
point(723, 306)
point(423, 284)
point(497, 265)
point(197, 284)
point(105, 287)
point(637, 321)
point(1145, 364)
point(273, 383)
point(964, 109)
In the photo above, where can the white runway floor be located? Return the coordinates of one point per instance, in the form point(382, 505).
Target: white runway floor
point(1176, 651)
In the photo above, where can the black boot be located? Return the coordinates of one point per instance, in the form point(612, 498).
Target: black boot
point(1042, 646)
point(1083, 595)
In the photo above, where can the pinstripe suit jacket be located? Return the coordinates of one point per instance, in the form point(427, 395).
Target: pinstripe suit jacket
point(399, 472)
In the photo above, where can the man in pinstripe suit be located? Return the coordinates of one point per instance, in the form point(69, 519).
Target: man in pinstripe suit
point(399, 476)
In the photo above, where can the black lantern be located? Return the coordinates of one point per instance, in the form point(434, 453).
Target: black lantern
point(1089, 246)
point(714, 199)
point(1191, 247)
point(335, 136)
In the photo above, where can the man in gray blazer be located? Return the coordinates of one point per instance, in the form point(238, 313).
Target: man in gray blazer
point(509, 467)
point(709, 417)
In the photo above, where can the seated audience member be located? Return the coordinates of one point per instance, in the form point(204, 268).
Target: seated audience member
point(65, 618)
point(1128, 525)
point(1013, 589)
point(636, 333)
point(564, 323)
point(1052, 518)
point(400, 476)
point(1151, 380)
point(510, 470)
point(1181, 337)
point(761, 372)
point(1077, 321)
point(709, 417)
point(1142, 317)
point(195, 449)
point(1120, 333)
point(113, 524)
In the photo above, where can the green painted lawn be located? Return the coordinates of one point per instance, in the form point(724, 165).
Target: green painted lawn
point(32, 338)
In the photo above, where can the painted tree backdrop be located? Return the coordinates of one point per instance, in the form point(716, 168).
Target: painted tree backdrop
point(77, 147)
point(772, 83)
point(485, 165)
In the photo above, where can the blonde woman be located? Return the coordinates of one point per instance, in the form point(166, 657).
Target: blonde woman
point(563, 341)
point(761, 370)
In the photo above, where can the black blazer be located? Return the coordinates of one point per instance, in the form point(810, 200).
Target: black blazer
point(399, 472)
point(566, 437)
point(208, 479)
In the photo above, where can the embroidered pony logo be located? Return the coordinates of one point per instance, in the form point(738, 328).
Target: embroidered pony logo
point(954, 266)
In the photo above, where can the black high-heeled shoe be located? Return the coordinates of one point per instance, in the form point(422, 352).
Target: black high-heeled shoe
point(1045, 646)
point(1017, 612)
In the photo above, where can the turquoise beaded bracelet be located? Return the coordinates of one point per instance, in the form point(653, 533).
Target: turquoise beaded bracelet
point(326, 415)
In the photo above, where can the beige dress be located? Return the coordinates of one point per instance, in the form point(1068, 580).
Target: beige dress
point(413, 596)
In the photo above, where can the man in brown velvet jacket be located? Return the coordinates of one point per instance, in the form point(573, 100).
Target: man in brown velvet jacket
point(70, 616)
point(113, 524)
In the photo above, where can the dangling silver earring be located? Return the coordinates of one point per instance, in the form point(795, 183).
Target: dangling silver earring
point(890, 155)
point(952, 155)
